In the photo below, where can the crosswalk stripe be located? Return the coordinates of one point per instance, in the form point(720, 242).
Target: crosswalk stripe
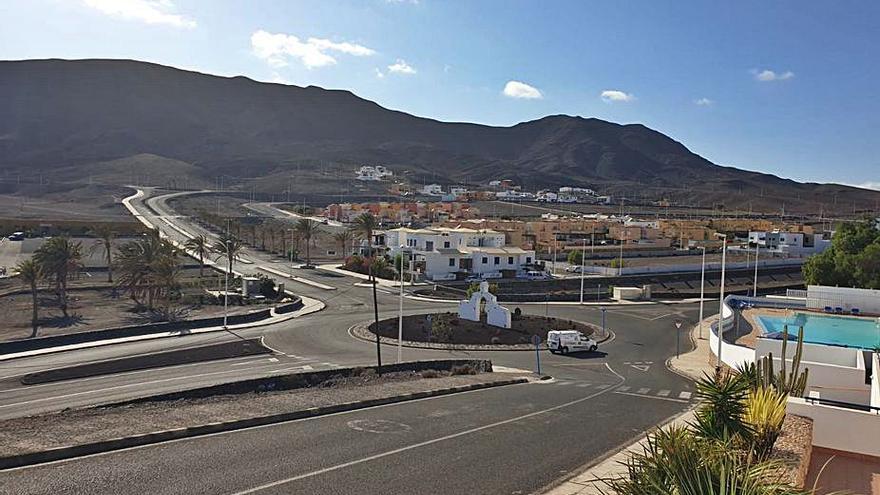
point(663, 393)
point(624, 389)
point(563, 383)
point(643, 390)
point(602, 387)
point(684, 395)
point(582, 385)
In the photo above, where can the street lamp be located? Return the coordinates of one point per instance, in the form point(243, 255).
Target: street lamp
point(755, 293)
point(603, 321)
point(721, 298)
point(583, 255)
point(702, 288)
point(400, 309)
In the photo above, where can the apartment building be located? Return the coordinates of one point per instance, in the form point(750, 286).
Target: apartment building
point(457, 253)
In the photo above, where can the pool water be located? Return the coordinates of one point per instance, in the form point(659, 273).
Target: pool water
point(822, 329)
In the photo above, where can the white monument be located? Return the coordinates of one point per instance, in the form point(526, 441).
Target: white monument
point(496, 315)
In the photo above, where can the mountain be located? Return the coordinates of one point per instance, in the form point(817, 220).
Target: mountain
point(73, 117)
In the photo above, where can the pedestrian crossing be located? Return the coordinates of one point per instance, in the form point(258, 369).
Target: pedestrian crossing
point(646, 392)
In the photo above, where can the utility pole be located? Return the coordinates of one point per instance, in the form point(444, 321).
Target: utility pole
point(720, 328)
point(376, 319)
point(755, 292)
point(702, 290)
point(583, 256)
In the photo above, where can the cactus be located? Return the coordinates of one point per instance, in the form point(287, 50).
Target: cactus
point(793, 383)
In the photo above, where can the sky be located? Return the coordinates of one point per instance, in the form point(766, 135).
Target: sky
point(790, 88)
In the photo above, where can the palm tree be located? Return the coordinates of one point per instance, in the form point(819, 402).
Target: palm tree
point(229, 247)
point(308, 229)
point(105, 235)
point(364, 226)
point(30, 274)
point(148, 269)
point(201, 247)
point(344, 239)
point(58, 257)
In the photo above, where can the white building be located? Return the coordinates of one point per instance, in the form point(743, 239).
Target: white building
point(458, 190)
point(547, 196)
point(453, 253)
point(791, 243)
point(378, 172)
point(433, 190)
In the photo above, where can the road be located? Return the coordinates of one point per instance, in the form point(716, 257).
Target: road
point(508, 440)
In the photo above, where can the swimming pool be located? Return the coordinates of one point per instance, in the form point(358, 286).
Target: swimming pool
point(822, 329)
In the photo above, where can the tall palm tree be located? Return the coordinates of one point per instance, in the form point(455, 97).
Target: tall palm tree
point(30, 274)
point(283, 237)
point(201, 247)
point(105, 236)
point(344, 239)
point(147, 269)
point(58, 257)
point(308, 229)
point(364, 226)
point(229, 247)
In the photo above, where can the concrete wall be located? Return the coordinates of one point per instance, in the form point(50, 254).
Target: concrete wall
point(875, 380)
point(837, 428)
point(686, 268)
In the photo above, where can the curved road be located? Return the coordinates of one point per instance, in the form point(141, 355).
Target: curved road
point(513, 439)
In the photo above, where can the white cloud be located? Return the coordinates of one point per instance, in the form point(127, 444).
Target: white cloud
point(379, 73)
point(768, 75)
point(279, 79)
point(613, 95)
point(276, 49)
point(401, 67)
point(703, 102)
point(447, 68)
point(517, 89)
point(148, 11)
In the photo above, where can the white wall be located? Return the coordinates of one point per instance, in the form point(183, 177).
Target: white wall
point(841, 429)
point(875, 381)
point(867, 300)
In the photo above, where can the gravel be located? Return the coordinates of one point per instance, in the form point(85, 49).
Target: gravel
point(81, 426)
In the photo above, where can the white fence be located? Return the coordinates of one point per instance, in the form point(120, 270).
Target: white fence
point(865, 300)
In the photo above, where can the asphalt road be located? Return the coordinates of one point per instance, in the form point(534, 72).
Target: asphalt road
point(507, 440)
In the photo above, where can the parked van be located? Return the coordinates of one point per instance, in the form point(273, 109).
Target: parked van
point(17, 236)
point(565, 341)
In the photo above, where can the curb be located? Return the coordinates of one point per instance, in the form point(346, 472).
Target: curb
point(357, 332)
point(72, 451)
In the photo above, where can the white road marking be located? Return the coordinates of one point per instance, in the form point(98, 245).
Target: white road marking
point(624, 389)
point(362, 460)
point(563, 383)
point(128, 385)
point(663, 393)
point(584, 385)
point(273, 360)
point(643, 390)
point(652, 397)
point(602, 387)
point(684, 395)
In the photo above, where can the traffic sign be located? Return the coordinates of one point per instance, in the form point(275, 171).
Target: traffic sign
point(536, 339)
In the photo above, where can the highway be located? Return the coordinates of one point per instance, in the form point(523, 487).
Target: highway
point(512, 439)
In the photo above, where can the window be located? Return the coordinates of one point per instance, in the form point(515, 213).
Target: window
point(510, 260)
point(446, 244)
point(429, 245)
point(485, 260)
point(497, 260)
point(451, 261)
point(528, 259)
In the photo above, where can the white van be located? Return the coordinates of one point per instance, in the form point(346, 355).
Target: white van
point(565, 341)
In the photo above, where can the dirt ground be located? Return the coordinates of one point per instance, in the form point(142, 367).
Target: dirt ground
point(81, 426)
point(417, 328)
point(88, 309)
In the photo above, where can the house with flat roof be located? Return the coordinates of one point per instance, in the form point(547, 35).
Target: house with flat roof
point(448, 253)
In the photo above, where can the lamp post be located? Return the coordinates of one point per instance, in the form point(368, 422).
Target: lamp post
point(755, 293)
point(603, 321)
point(702, 289)
point(583, 255)
point(400, 308)
point(721, 299)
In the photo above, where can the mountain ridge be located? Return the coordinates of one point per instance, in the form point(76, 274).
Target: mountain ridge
point(66, 113)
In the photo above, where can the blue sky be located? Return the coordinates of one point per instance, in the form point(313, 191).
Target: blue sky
point(790, 87)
